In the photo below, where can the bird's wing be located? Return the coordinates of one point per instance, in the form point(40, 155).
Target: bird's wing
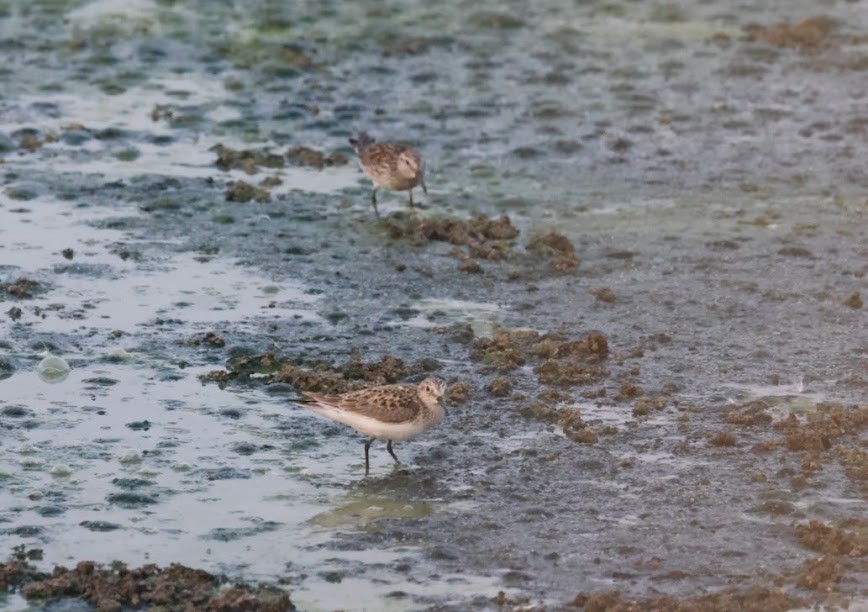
point(391, 404)
point(413, 165)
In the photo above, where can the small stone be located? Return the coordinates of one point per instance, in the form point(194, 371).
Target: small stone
point(53, 369)
point(60, 470)
point(131, 457)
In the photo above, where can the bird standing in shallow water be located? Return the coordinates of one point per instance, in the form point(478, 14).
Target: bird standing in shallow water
point(388, 412)
point(389, 165)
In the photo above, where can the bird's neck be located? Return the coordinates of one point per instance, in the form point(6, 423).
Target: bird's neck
point(434, 410)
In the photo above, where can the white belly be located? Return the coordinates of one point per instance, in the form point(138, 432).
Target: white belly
point(372, 427)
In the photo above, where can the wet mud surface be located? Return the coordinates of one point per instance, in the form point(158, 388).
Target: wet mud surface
point(640, 267)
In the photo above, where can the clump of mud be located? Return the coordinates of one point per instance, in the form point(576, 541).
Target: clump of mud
point(723, 439)
point(162, 111)
point(854, 301)
point(252, 160)
point(322, 377)
point(556, 248)
point(823, 426)
point(18, 571)
point(395, 46)
point(828, 540)
point(570, 420)
point(242, 191)
point(751, 414)
point(243, 366)
point(821, 574)
point(457, 393)
point(827, 433)
point(23, 287)
point(305, 156)
point(248, 160)
point(855, 463)
point(31, 140)
point(645, 406)
point(810, 33)
point(755, 599)
point(500, 387)
point(562, 362)
point(604, 294)
point(484, 236)
point(117, 587)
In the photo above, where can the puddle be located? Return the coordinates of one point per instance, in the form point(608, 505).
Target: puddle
point(203, 471)
point(113, 292)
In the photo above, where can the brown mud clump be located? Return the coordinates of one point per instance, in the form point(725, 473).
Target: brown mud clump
point(23, 287)
point(457, 393)
point(355, 374)
point(242, 366)
point(564, 362)
point(305, 156)
point(647, 405)
point(319, 376)
point(483, 236)
point(854, 301)
point(810, 33)
point(568, 372)
point(555, 247)
point(570, 420)
point(820, 574)
point(628, 390)
point(755, 599)
point(827, 433)
point(18, 571)
point(824, 426)
point(241, 191)
point(540, 411)
point(248, 160)
point(505, 351)
point(210, 338)
point(855, 462)
point(500, 387)
point(604, 294)
point(751, 414)
point(723, 439)
point(117, 588)
point(822, 538)
point(324, 378)
point(572, 362)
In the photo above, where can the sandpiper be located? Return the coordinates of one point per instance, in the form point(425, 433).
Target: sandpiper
point(389, 165)
point(388, 412)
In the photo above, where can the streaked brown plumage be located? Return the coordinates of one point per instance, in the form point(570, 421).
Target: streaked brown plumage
point(388, 412)
point(389, 165)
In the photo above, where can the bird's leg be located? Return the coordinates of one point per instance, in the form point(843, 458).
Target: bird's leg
point(367, 461)
point(411, 198)
point(424, 188)
point(374, 202)
point(391, 452)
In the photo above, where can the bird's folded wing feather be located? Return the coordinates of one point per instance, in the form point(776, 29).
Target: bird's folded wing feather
point(396, 406)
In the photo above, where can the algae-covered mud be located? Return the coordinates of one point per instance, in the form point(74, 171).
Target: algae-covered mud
point(641, 268)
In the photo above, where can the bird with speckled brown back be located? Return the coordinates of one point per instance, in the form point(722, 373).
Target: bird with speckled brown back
point(388, 412)
point(389, 165)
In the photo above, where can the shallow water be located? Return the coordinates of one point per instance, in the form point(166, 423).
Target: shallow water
point(715, 185)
